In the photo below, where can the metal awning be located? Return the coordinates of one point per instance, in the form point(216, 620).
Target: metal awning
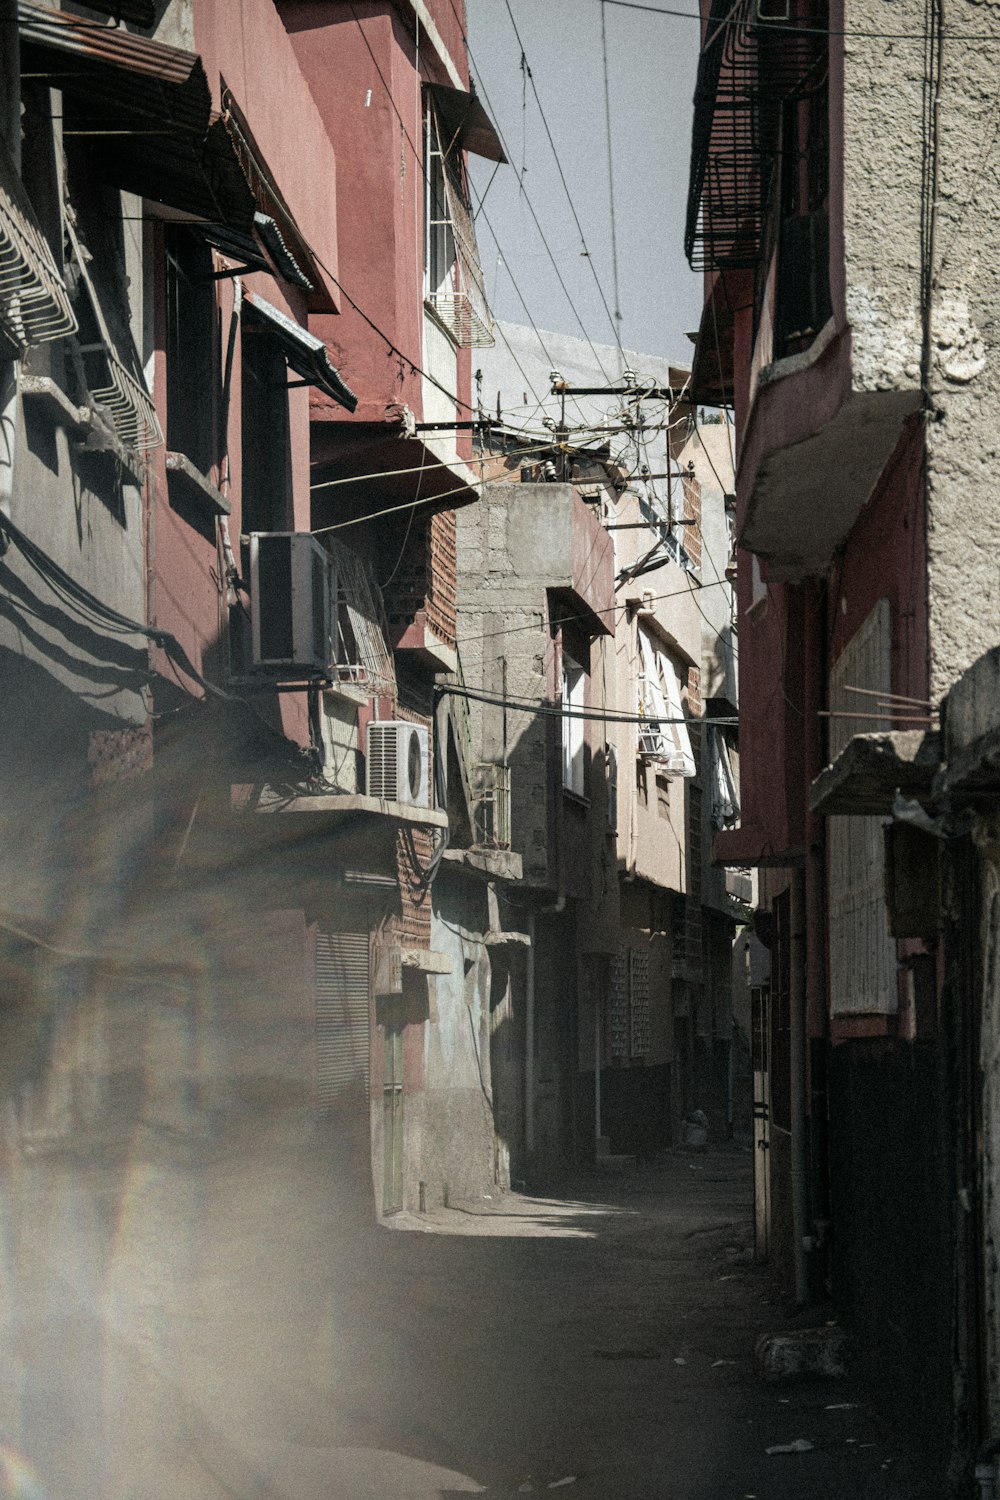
point(264, 250)
point(274, 220)
point(464, 122)
point(34, 305)
point(305, 353)
point(149, 106)
point(872, 769)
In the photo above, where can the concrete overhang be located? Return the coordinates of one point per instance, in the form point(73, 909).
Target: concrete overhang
point(749, 847)
point(366, 467)
point(868, 773)
point(490, 864)
point(425, 961)
point(500, 939)
point(338, 805)
point(424, 644)
point(813, 453)
point(972, 731)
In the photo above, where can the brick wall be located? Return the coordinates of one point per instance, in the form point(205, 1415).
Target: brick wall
point(441, 606)
point(692, 512)
point(425, 582)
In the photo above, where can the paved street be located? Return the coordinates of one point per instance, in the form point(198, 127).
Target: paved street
point(598, 1344)
point(227, 1325)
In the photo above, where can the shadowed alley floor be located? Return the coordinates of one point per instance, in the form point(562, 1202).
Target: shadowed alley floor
point(598, 1344)
point(220, 1321)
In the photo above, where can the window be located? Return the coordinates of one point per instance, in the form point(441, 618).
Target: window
point(190, 308)
point(574, 693)
point(265, 441)
point(453, 277)
point(664, 739)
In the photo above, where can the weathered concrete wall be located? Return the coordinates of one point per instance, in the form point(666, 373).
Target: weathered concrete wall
point(458, 1140)
point(963, 523)
point(514, 547)
point(882, 260)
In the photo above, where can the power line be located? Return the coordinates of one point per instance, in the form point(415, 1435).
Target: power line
point(527, 197)
point(545, 709)
point(759, 25)
point(615, 326)
point(611, 609)
point(611, 180)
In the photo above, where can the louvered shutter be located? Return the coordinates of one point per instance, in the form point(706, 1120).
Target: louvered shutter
point(862, 954)
point(342, 1025)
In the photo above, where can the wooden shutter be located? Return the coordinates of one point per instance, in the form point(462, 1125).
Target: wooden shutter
point(862, 954)
point(342, 1025)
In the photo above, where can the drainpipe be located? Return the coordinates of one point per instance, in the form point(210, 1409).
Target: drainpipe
point(10, 127)
point(597, 1068)
point(529, 1043)
point(796, 1080)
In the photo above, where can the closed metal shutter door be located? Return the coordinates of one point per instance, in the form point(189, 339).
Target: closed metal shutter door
point(342, 1034)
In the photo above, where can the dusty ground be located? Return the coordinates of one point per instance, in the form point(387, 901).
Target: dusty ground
point(224, 1322)
point(597, 1344)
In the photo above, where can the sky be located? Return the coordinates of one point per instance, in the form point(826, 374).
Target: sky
point(651, 74)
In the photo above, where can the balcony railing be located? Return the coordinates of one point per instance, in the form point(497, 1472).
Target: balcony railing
point(491, 805)
point(750, 68)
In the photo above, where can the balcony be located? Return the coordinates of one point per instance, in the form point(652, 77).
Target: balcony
point(821, 400)
point(491, 805)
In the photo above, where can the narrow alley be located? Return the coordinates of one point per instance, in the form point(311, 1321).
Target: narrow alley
point(599, 1342)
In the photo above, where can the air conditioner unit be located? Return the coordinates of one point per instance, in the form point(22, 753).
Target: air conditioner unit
point(291, 589)
point(398, 762)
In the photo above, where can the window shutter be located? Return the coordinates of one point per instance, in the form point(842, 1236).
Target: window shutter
point(342, 1024)
point(862, 954)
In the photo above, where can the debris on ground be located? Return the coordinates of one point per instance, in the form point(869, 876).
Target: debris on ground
point(627, 1354)
point(801, 1351)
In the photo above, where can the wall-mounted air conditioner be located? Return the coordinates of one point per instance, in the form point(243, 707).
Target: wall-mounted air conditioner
point(398, 762)
point(291, 589)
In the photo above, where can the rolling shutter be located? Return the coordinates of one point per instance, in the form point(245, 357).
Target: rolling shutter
point(342, 1026)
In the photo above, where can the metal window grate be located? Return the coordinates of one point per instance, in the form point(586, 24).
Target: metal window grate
point(639, 1001)
point(362, 655)
point(34, 305)
point(459, 302)
point(617, 1006)
point(110, 382)
point(491, 790)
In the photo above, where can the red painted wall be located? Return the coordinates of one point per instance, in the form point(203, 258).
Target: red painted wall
point(359, 92)
point(244, 46)
point(885, 557)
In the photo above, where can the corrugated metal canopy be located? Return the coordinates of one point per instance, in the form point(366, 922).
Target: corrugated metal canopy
point(464, 121)
point(148, 105)
point(306, 354)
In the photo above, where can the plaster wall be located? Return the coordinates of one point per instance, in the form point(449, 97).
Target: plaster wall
point(518, 543)
point(458, 1156)
point(366, 75)
point(710, 450)
point(245, 47)
point(882, 103)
